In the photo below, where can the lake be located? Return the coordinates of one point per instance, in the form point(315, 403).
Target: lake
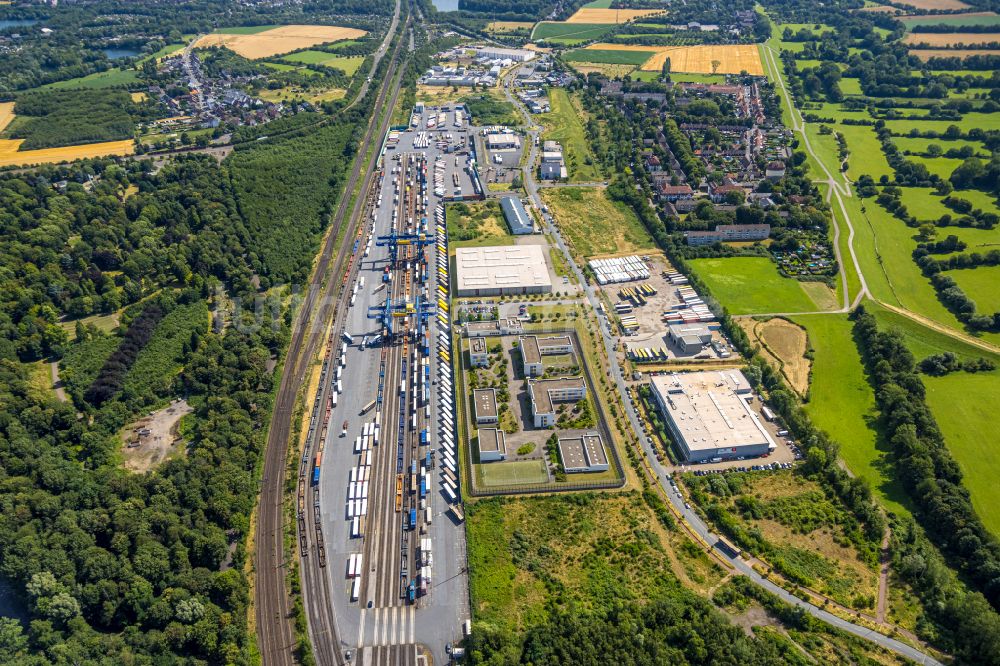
point(446, 5)
point(114, 54)
point(19, 22)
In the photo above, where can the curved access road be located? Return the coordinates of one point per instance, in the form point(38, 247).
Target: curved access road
point(691, 519)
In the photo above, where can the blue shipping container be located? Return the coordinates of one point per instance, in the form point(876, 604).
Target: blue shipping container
point(315, 476)
point(413, 519)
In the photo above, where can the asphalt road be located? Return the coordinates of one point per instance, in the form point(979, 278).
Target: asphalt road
point(688, 515)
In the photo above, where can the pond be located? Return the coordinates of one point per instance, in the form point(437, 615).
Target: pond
point(446, 5)
point(115, 53)
point(10, 605)
point(13, 23)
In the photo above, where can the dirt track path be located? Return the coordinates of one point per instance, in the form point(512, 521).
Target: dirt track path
point(57, 384)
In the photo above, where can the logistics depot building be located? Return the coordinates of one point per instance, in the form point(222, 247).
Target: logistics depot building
point(709, 416)
point(507, 269)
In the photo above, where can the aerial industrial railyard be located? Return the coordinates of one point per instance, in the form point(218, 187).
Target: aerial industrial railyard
point(385, 478)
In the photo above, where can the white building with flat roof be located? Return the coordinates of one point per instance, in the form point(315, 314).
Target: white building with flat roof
point(505, 269)
point(499, 53)
point(492, 445)
point(584, 453)
point(708, 416)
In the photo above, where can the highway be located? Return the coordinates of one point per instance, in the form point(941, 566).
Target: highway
point(275, 633)
point(688, 516)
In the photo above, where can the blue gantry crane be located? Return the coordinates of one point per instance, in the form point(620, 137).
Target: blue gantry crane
point(392, 309)
point(395, 239)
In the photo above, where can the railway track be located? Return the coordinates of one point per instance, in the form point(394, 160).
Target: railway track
point(275, 633)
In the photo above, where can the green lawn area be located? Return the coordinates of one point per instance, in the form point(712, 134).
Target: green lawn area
point(639, 75)
point(592, 224)
point(609, 57)
point(246, 29)
point(752, 285)
point(866, 155)
point(923, 341)
point(919, 145)
point(965, 408)
point(550, 30)
point(982, 284)
point(563, 124)
point(598, 4)
point(163, 52)
point(106, 79)
point(942, 166)
point(842, 403)
point(850, 86)
point(309, 57)
point(683, 77)
point(278, 66)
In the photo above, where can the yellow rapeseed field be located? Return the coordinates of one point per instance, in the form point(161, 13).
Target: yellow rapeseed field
point(11, 156)
point(598, 15)
point(280, 40)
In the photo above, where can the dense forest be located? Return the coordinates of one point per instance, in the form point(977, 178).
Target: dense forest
point(51, 118)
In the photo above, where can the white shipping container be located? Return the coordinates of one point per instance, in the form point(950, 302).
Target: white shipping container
point(356, 589)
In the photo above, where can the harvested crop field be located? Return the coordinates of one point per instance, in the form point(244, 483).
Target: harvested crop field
point(951, 38)
point(958, 20)
point(930, 5)
point(11, 156)
point(6, 114)
point(729, 58)
point(784, 346)
point(279, 40)
point(927, 54)
point(509, 26)
point(599, 15)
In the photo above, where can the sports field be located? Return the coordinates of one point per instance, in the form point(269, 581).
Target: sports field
point(594, 225)
point(752, 285)
point(615, 16)
point(951, 38)
point(511, 473)
point(275, 41)
point(11, 156)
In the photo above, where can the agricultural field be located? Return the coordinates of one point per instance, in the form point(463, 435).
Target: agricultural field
point(6, 114)
point(269, 41)
point(930, 5)
point(959, 20)
point(509, 26)
point(608, 15)
point(752, 285)
point(609, 56)
point(927, 54)
point(569, 33)
point(592, 224)
point(709, 59)
point(940, 39)
point(349, 65)
point(11, 156)
point(610, 71)
point(565, 125)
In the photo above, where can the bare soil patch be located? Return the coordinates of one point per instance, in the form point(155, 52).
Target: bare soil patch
point(155, 437)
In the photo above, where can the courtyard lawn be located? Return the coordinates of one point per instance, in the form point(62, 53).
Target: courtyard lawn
point(592, 224)
point(564, 124)
point(842, 403)
point(752, 285)
point(968, 426)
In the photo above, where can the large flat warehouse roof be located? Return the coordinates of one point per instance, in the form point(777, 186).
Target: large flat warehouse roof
point(508, 268)
point(707, 410)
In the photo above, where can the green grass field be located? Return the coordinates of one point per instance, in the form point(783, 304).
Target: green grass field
point(752, 285)
point(563, 124)
point(982, 285)
point(280, 67)
point(309, 57)
point(592, 224)
point(941, 166)
point(163, 52)
point(246, 29)
point(681, 77)
point(842, 403)
point(850, 86)
point(985, 121)
point(609, 57)
point(965, 408)
point(511, 473)
point(957, 21)
point(549, 30)
point(108, 79)
point(923, 341)
point(866, 152)
point(919, 145)
point(598, 4)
